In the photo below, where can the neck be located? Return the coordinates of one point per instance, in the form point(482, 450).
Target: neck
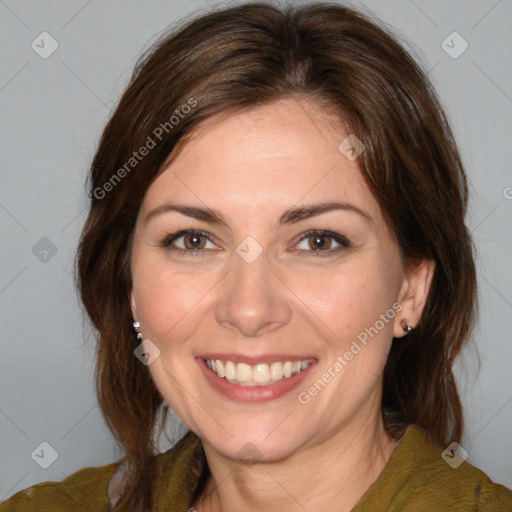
point(337, 471)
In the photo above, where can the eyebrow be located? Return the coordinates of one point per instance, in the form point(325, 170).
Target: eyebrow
point(290, 216)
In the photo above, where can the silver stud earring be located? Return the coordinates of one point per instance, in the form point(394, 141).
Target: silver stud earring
point(406, 327)
point(136, 326)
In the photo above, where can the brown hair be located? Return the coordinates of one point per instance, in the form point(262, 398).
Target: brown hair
point(253, 54)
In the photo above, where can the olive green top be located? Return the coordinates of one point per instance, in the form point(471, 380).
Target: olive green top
point(416, 478)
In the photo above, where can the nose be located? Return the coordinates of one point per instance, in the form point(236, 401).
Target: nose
point(253, 300)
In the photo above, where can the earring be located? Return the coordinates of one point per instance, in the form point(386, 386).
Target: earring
point(407, 328)
point(136, 326)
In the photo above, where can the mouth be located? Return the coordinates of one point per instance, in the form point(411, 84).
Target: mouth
point(260, 374)
point(252, 380)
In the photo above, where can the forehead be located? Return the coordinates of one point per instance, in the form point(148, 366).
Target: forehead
point(276, 155)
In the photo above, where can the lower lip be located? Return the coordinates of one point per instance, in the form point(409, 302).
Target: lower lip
point(252, 393)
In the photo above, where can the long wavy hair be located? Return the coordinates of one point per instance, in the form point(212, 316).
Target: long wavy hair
point(234, 58)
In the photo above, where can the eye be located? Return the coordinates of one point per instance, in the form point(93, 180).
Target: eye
point(320, 241)
point(193, 243)
point(190, 242)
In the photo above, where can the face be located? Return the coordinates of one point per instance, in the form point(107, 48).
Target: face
point(265, 284)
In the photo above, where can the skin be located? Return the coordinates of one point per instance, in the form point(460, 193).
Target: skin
point(252, 166)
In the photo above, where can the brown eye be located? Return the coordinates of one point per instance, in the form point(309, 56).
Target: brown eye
point(188, 242)
point(322, 243)
point(194, 241)
point(319, 242)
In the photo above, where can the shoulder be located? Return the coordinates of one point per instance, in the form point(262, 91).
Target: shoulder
point(85, 488)
point(460, 487)
point(178, 470)
point(422, 475)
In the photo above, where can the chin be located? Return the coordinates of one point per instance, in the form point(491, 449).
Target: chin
point(252, 443)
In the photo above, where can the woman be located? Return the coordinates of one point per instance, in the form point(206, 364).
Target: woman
point(276, 251)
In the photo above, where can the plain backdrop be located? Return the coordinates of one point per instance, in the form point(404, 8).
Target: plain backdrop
point(53, 110)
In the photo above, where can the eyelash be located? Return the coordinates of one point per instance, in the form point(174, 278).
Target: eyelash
point(341, 240)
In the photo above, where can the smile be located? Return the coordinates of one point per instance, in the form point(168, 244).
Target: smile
point(261, 374)
point(258, 382)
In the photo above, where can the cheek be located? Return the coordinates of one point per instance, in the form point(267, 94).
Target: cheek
point(170, 304)
point(348, 300)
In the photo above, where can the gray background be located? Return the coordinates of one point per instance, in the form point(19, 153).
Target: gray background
point(53, 111)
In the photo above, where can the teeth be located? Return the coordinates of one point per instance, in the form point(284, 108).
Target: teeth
point(219, 368)
point(230, 371)
point(276, 371)
point(261, 373)
point(256, 375)
point(287, 369)
point(243, 372)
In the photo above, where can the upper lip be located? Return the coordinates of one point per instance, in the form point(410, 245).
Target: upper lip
point(252, 360)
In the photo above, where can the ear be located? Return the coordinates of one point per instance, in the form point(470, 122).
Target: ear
point(133, 305)
point(413, 295)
